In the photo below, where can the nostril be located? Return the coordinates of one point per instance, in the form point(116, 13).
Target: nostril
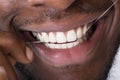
point(38, 5)
point(57, 4)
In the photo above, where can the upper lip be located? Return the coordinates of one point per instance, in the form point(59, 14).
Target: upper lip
point(55, 26)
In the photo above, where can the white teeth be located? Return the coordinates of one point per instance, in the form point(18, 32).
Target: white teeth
point(85, 29)
point(70, 45)
point(79, 33)
point(71, 35)
point(39, 37)
point(81, 40)
point(47, 45)
point(64, 46)
point(45, 37)
point(61, 46)
point(58, 46)
point(52, 46)
point(52, 38)
point(76, 43)
point(61, 38)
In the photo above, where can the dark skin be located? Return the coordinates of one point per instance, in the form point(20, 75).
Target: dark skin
point(32, 15)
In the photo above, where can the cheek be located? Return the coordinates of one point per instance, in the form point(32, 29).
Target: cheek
point(5, 5)
point(61, 4)
point(97, 4)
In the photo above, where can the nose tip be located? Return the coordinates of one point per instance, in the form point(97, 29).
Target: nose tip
point(57, 4)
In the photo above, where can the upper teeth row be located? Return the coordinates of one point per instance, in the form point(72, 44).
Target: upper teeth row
point(62, 37)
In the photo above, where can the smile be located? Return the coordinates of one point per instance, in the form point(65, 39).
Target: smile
point(63, 40)
point(69, 47)
point(61, 46)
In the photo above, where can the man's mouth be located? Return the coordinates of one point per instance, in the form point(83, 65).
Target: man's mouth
point(68, 47)
point(64, 40)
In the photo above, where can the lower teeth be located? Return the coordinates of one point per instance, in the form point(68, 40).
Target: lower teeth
point(63, 46)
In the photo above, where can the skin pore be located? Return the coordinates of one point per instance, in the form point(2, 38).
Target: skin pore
point(90, 60)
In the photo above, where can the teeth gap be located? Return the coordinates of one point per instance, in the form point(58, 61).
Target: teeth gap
point(91, 31)
point(64, 42)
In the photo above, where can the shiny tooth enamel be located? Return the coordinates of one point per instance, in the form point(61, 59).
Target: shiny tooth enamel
point(39, 37)
point(76, 43)
point(63, 40)
point(85, 29)
point(52, 37)
point(52, 46)
point(61, 46)
point(64, 46)
point(81, 40)
point(58, 46)
point(70, 45)
point(71, 36)
point(79, 32)
point(47, 45)
point(45, 36)
point(60, 37)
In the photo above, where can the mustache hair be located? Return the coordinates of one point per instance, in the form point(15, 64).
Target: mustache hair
point(39, 17)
